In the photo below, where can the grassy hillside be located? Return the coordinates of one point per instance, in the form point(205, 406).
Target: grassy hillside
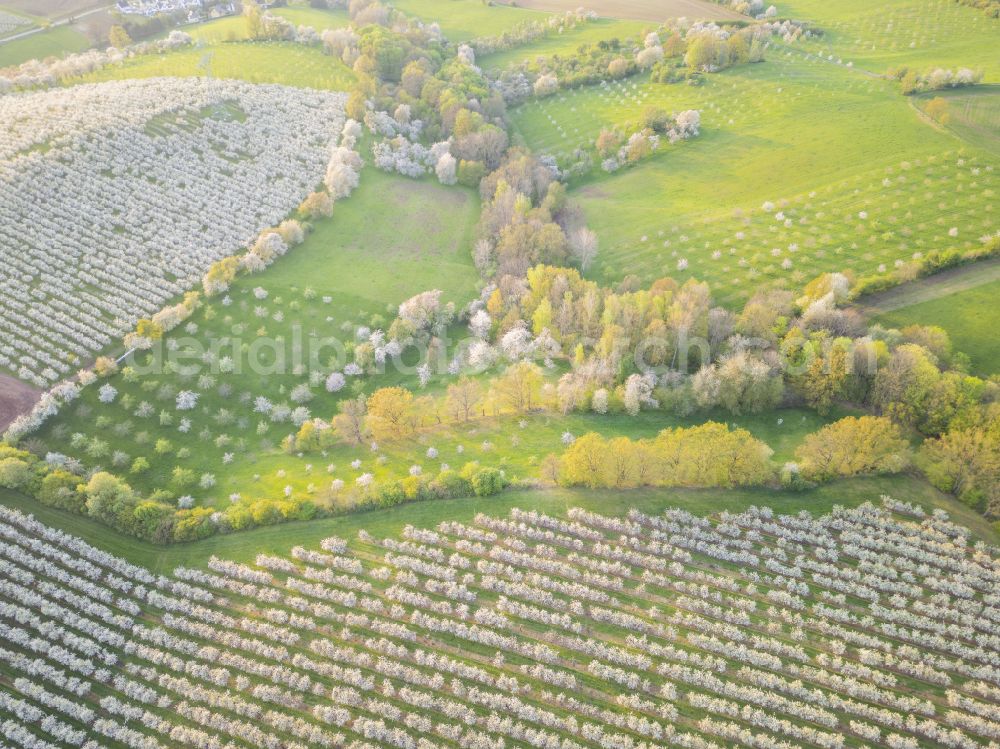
point(377, 250)
point(568, 42)
point(257, 62)
point(919, 33)
point(864, 181)
point(462, 20)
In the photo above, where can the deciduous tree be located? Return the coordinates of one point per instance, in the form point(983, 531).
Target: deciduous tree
point(853, 446)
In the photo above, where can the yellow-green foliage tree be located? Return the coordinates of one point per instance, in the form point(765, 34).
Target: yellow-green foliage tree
point(15, 473)
point(707, 455)
point(826, 376)
point(519, 387)
point(390, 413)
point(349, 422)
point(853, 446)
point(912, 389)
point(966, 462)
point(463, 398)
point(219, 275)
point(118, 37)
point(583, 464)
point(711, 454)
point(315, 435)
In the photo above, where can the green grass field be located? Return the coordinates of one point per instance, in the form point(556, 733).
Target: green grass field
point(257, 62)
point(567, 43)
point(919, 33)
point(56, 41)
point(377, 250)
point(244, 546)
point(971, 317)
point(864, 181)
point(273, 67)
point(462, 20)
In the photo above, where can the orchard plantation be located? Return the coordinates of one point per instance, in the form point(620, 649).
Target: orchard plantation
point(480, 374)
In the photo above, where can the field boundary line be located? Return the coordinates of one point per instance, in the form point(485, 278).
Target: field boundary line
point(932, 287)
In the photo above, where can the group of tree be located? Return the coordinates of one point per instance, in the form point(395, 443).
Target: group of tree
point(852, 446)
point(407, 75)
point(606, 60)
point(525, 220)
point(667, 347)
point(713, 455)
point(109, 499)
point(103, 496)
point(616, 150)
point(990, 7)
point(707, 455)
point(914, 81)
point(531, 30)
point(711, 50)
point(264, 26)
point(392, 414)
point(930, 263)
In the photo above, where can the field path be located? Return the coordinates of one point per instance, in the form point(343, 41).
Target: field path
point(933, 287)
point(54, 24)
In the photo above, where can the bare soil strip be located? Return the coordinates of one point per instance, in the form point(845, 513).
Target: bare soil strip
point(16, 398)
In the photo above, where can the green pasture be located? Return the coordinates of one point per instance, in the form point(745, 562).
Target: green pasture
point(286, 63)
point(462, 20)
point(859, 181)
point(922, 34)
